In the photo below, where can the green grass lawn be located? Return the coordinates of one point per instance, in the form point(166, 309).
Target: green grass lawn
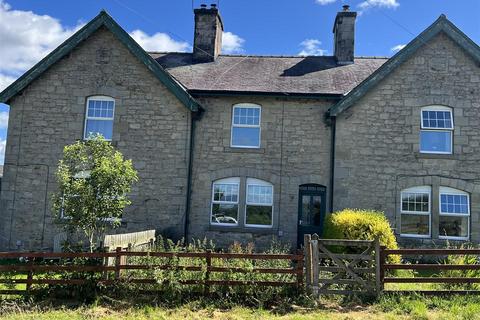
point(387, 307)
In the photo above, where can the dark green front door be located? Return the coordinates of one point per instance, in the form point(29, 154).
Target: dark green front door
point(311, 210)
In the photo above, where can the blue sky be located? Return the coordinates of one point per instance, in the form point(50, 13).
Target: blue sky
point(29, 29)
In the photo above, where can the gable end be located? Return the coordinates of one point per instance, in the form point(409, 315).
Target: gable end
point(102, 19)
point(442, 24)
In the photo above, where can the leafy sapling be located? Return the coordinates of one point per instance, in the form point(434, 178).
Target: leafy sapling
point(94, 181)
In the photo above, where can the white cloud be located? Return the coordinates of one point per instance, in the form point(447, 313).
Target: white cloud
point(311, 47)
point(27, 37)
point(398, 47)
point(324, 2)
point(389, 4)
point(231, 43)
point(158, 42)
point(5, 81)
point(3, 120)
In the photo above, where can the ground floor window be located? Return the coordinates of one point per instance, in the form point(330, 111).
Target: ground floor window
point(415, 212)
point(452, 211)
point(259, 204)
point(242, 201)
point(225, 201)
point(454, 222)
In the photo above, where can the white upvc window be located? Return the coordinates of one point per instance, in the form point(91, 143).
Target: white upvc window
point(246, 119)
point(99, 117)
point(454, 221)
point(225, 194)
point(436, 134)
point(259, 203)
point(415, 209)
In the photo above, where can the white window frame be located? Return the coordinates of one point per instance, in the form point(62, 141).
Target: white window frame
point(417, 190)
point(435, 129)
point(452, 191)
point(98, 98)
point(257, 182)
point(259, 126)
point(227, 181)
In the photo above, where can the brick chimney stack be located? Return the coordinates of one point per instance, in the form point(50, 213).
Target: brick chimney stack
point(344, 36)
point(207, 43)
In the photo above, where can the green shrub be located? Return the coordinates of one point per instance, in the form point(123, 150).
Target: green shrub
point(355, 224)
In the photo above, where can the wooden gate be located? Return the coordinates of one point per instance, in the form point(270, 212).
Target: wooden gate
point(354, 271)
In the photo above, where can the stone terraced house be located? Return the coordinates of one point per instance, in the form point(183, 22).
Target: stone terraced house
point(241, 147)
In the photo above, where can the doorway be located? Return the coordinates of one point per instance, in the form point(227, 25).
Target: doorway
point(311, 210)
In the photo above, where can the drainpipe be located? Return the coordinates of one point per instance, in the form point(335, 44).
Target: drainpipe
point(332, 159)
point(195, 116)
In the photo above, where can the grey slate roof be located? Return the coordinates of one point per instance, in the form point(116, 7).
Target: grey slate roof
point(268, 74)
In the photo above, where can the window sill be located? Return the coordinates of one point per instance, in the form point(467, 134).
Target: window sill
point(420, 155)
point(243, 150)
point(407, 242)
point(238, 229)
point(414, 236)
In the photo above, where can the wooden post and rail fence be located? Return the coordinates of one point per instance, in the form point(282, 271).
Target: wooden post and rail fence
point(326, 266)
point(47, 268)
point(432, 271)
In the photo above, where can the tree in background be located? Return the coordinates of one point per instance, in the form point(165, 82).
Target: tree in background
point(93, 185)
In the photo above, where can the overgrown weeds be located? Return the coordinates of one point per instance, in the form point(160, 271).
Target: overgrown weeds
point(171, 274)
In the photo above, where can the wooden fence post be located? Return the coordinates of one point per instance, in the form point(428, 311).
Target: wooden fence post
point(382, 267)
point(206, 287)
point(118, 257)
point(307, 248)
point(299, 270)
point(29, 275)
point(105, 263)
point(378, 267)
point(315, 263)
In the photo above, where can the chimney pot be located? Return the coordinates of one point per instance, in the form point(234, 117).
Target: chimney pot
point(346, 7)
point(213, 5)
point(203, 5)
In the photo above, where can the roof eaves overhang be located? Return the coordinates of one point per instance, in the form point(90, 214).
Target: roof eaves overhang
point(296, 95)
